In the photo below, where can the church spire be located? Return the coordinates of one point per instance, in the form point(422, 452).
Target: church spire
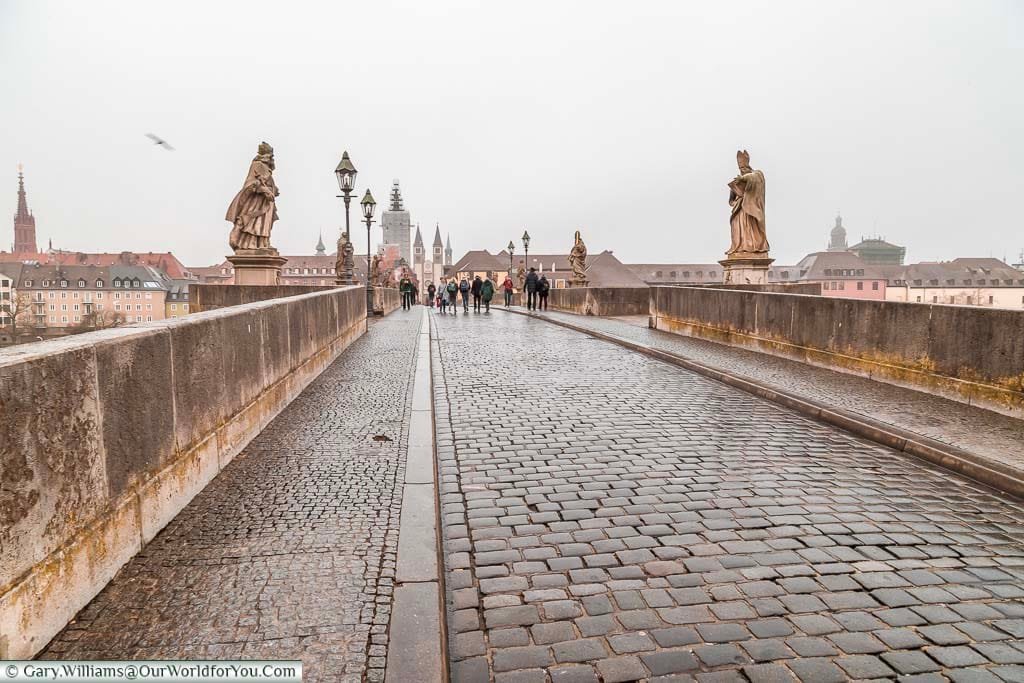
point(24, 221)
point(23, 212)
point(448, 250)
point(320, 248)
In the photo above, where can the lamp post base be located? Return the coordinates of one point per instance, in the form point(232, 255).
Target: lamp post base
point(746, 269)
point(257, 266)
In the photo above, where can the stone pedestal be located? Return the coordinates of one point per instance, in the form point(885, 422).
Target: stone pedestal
point(257, 266)
point(746, 269)
point(378, 301)
point(578, 283)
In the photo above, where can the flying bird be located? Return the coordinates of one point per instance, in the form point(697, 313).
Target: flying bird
point(159, 141)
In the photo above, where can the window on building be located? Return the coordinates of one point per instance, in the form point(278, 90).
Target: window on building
point(99, 284)
point(874, 286)
point(860, 272)
point(78, 318)
point(117, 283)
point(935, 299)
point(917, 283)
point(174, 307)
point(81, 282)
point(918, 299)
point(860, 286)
point(991, 299)
point(970, 300)
point(63, 283)
point(28, 283)
point(828, 271)
point(672, 274)
point(658, 274)
point(981, 282)
point(686, 275)
point(149, 318)
point(842, 284)
point(711, 273)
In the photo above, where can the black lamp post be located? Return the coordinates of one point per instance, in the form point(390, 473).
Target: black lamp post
point(346, 174)
point(526, 248)
point(368, 207)
point(511, 248)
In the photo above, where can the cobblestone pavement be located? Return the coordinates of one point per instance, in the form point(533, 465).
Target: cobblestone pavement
point(290, 552)
point(984, 432)
point(610, 517)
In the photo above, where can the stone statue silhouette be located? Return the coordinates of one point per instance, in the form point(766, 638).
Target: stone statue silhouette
point(578, 259)
point(746, 197)
point(254, 209)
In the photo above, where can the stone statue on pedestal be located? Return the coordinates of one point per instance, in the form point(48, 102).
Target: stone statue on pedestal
point(344, 264)
point(521, 275)
point(746, 262)
point(578, 260)
point(746, 197)
point(375, 274)
point(254, 209)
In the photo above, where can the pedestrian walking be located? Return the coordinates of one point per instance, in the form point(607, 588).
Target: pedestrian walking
point(453, 294)
point(431, 293)
point(405, 288)
point(487, 293)
point(543, 287)
point(464, 291)
point(443, 300)
point(531, 289)
point(507, 286)
point(475, 289)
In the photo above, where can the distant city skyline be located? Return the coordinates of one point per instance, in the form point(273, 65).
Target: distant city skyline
point(913, 135)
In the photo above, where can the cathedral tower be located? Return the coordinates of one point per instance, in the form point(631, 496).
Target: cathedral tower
point(24, 222)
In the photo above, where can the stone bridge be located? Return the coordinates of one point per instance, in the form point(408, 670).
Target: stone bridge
point(687, 484)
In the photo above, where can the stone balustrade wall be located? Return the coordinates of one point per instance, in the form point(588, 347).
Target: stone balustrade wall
point(971, 354)
point(105, 436)
point(207, 297)
point(597, 300)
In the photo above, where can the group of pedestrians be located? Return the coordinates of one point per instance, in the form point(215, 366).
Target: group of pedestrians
point(449, 293)
point(537, 288)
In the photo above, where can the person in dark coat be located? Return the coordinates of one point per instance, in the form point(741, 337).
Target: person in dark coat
point(543, 287)
point(464, 291)
point(475, 289)
point(431, 291)
point(531, 289)
point(487, 293)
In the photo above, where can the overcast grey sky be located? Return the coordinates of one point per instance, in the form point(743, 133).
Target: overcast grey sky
point(620, 119)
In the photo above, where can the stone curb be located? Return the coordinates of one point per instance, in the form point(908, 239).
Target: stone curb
point(417, 647)
point(993, 474)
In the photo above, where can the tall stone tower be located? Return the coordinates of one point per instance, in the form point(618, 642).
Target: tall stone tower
point(438, 254)
point(417, 248)
point(396, 224)
point(448, 250)
point(837, 240)
point(24, 222)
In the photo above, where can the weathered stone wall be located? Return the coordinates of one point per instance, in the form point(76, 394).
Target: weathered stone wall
point(599, 300)
point(105, 436)
point(390, 298)
point(970, 354)
point(204, 297)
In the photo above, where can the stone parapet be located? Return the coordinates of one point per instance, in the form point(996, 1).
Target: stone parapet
point(974, 355)
point(607, 301)
point(207, 297)
point(107, 435)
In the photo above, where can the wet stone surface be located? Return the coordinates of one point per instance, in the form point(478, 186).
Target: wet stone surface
point(290, 552)
point(608, 517)
point(989, 434)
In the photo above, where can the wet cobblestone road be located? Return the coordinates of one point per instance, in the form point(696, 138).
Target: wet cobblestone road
point(290, 552)
point(987, 433)
point(608, 517)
